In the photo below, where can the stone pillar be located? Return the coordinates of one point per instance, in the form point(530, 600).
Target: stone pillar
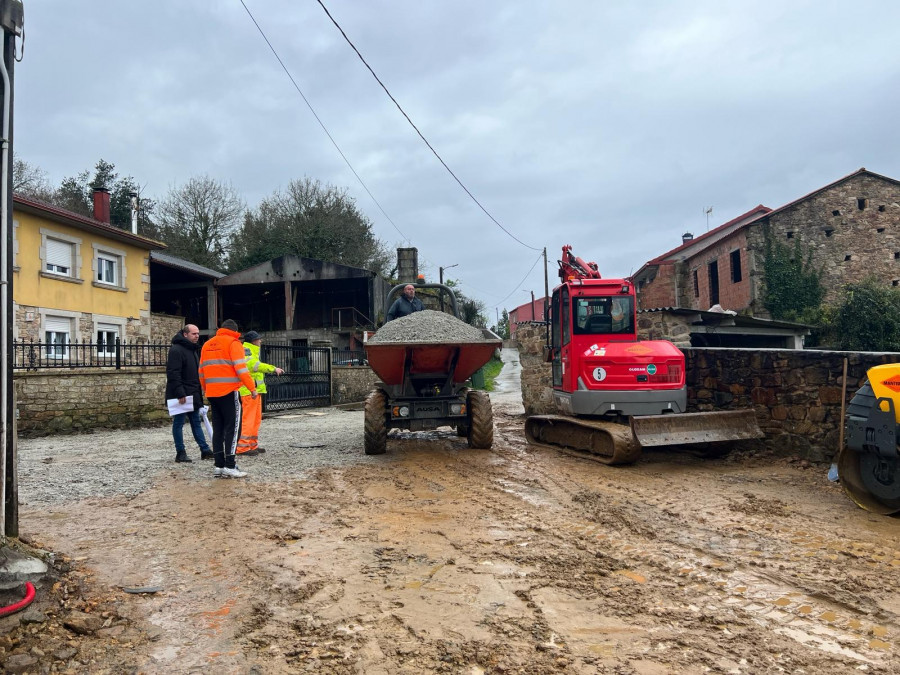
point(537, 376)
point(407, 265)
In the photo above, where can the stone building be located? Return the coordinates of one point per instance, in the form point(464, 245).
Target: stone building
point(850, 229)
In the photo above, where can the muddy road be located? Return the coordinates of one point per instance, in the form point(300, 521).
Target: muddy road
point(437, 558)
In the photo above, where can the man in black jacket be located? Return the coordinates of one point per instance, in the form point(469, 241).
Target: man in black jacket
point(406, 304)
point(183, 380)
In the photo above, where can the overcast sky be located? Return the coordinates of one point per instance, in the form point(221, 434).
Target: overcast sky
point(608, 126)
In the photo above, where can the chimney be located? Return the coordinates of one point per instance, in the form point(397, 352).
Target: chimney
point(686, 237)
point(101, 204)
point(407, 265)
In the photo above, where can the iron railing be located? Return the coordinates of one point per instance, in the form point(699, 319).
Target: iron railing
point(349, 318)
point(40, 355)
point(348, 357)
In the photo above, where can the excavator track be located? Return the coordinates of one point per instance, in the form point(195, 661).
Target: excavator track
point(604, 442)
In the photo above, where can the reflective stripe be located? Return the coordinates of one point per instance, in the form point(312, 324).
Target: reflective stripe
point(255, 366)
point(241, 370)
point(213, 380)
point(239, 362)
point(215, 362)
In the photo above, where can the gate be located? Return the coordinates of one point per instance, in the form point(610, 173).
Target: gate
point(306, 382)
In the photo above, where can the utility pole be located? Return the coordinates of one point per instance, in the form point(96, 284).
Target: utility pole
point(546, 296)
point(12, 20)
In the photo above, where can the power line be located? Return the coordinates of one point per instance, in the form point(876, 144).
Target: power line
point(321, 123)
point(425, 140)
point(519, 285)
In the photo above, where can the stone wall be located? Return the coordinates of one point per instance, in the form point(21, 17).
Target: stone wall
point(537, 394)
point(796, 393)
point(163, 328)
point(665, 326)
point(351, 384)
point(81, 400)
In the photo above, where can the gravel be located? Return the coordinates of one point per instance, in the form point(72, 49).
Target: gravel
point(60, 469)
point(427, 326)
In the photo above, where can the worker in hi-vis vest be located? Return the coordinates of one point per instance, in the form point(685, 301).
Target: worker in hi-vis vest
point(223, 369)
point(251, 416)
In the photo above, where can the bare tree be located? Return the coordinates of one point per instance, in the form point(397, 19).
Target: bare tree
point(30, 180)
point(198, 218)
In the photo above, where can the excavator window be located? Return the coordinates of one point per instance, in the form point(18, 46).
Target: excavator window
point(603, 315)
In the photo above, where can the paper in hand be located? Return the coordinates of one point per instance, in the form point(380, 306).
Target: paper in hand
point(176, 408)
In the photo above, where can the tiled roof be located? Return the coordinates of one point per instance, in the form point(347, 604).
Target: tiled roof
point(66, 217)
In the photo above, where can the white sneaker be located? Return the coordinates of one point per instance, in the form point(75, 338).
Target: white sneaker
point(233, 473)
point(218, 473)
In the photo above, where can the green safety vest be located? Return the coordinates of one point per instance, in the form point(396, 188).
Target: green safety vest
point(257, 369)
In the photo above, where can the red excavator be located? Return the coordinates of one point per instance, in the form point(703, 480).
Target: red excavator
point(617, 394)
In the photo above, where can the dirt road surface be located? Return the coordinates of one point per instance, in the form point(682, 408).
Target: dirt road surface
point(438, 558)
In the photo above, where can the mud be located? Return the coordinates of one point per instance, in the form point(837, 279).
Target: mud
point(438, 558)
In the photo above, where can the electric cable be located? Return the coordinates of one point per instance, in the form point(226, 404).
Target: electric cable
point(425, 140)
point(523, 279)
point(321, 123)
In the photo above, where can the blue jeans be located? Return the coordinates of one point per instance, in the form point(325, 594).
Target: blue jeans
point(196, 429)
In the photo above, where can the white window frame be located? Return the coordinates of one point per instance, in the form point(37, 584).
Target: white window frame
point(117, 258)
point(104, 322)
point(107, 334)
point(56, 331)
point(74, 273)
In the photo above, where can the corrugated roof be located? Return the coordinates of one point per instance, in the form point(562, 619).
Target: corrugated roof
point(182, 264)
point(736, 319)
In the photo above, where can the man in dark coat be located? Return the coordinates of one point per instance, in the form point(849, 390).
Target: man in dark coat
point(406, 304)
point(183, 380)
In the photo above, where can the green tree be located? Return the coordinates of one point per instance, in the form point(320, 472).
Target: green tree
point(793, 287)
point(312, 220)
point(502, 328)
point(198, 219)
point(868, 318)
point(75, 193)
point(471, 310)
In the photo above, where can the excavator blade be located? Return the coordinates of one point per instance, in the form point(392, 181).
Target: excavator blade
point(687, 428)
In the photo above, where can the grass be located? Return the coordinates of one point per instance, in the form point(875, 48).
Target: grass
point(491, 370)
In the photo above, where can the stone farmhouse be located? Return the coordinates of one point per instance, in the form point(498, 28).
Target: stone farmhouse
point(850, 228)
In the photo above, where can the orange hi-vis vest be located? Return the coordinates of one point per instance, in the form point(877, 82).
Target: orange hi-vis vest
point(223, 368)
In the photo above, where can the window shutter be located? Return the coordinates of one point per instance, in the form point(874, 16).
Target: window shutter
point(108, 328)
point(59, 253)
point(57, 324)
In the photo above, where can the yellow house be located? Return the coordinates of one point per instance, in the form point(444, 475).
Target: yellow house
point(78, 279)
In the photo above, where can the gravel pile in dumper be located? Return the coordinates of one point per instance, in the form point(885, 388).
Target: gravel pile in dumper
point(426, 326)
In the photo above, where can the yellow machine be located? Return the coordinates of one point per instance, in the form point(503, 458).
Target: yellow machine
point(869, 464)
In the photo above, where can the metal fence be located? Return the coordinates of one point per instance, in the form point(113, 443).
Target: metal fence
point(118, 354)
point(306, 381)
point(348, 357)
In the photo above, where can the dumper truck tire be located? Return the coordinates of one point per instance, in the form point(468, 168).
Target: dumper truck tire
point(375, 434)
point(481, 420)
point(462, 429)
